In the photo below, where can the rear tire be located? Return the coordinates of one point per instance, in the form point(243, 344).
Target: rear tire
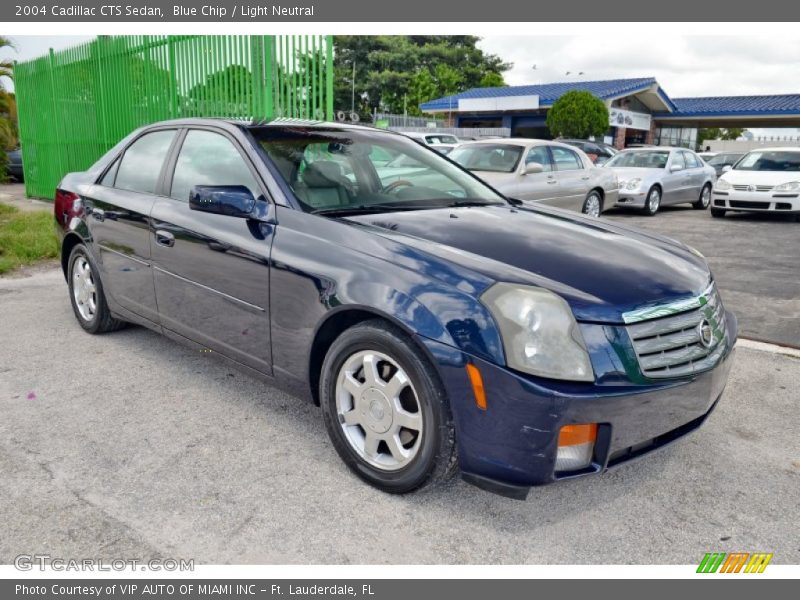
point(704, 201)
point(718, 213)
point(593, 205)
point(86, 294)
point(653, 201)
point(385, 410)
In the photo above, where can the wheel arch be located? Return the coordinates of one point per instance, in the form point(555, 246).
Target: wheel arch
point(70, 241)
point(339, 321)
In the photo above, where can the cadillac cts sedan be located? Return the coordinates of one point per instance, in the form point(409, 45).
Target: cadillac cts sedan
point(439, 325)
point(540, 171)
point(651, 177)
point(764, 180)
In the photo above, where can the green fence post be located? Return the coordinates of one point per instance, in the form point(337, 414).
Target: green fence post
point(329, 78)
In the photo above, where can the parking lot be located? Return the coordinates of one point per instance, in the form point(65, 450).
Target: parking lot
point(128, 445)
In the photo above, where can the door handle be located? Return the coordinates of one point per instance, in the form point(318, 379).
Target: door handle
point(587, 178)
point(99, 214)
point(165, 238)
point(552, 181)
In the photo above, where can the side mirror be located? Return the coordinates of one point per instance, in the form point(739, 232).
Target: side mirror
point(675, 168)
point(228, 200)
point(532, 168)
point(727, 168)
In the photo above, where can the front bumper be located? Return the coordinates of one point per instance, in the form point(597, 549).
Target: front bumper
point(512, 445)
point(634, 199)
point(756, 201)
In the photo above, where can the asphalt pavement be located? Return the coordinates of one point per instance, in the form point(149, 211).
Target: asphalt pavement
point(128, 445)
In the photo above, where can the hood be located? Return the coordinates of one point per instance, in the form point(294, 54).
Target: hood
point(600, 268)
point(628, 173)
point(760, 177)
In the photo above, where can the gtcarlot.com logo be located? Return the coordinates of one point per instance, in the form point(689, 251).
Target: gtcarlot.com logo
point(735, 562)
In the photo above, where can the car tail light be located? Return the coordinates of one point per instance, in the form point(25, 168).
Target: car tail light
point(66, 206)
point(576, 446)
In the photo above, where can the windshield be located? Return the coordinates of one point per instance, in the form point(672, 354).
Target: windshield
point(648, 159)
point(723, 159)
point(775, 160)
point(441, 139)
point(341, 170)
point(500, 158)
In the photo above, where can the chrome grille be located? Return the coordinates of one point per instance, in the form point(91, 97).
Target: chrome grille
point(667, 339)
point(758, 188)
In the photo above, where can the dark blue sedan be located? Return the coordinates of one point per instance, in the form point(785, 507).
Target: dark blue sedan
point(439, 325)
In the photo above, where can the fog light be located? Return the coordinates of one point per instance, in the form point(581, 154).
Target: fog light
point(575, 446)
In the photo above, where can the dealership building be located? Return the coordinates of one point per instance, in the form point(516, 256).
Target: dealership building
point(640, 111)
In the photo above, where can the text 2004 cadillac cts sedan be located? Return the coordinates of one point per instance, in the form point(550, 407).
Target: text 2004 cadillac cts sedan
point(437, 323)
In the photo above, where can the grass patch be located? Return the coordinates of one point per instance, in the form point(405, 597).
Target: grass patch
point(25, 237)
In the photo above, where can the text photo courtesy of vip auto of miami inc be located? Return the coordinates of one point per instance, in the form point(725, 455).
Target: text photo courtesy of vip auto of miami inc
point(310, 299)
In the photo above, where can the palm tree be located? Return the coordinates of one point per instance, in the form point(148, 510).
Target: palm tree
point(8, 137)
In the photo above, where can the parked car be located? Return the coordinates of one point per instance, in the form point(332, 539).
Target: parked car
point(540, 171)
point(650, 178)
point(764, 180)
point(722, 160)
point(435, 328)
point(14, 167)
point(706, 156)
point(444, 142)
point(598, 152)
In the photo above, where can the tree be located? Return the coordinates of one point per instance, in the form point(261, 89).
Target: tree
point(8, 125)
point(393, 73)
point(715, 133)
point(578, 114)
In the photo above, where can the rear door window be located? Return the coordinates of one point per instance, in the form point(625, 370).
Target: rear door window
point(141, 164)
point(566, 160)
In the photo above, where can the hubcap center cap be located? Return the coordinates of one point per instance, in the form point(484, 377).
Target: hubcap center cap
point(376, 410)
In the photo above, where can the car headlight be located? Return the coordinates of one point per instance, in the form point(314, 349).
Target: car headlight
point(540, 334)
point(789, 186)
point(722, 185)
point(632, 184)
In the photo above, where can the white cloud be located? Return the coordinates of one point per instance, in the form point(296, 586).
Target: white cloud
point(713, 65)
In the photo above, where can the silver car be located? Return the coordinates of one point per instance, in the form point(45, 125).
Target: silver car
point(653, 177)
point(540, 171)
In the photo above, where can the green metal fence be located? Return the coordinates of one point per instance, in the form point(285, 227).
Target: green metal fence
point(75, 104)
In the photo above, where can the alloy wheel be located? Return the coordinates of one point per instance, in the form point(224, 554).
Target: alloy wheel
point(705, 197)
point(84, 290)
point(379, 410)
point(592, 206)
point(654, 200)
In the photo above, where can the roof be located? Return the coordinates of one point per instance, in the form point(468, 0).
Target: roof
point(781, 104)
point(550, 92)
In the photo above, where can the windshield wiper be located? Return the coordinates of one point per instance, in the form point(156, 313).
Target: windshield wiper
point(363, 209)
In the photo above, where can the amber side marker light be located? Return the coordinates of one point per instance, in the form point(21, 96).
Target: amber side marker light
point(476, 380)
point(576, 446)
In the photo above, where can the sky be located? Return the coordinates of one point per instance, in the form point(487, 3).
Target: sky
point(683, 65)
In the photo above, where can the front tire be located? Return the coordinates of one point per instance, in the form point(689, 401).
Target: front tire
point(653, 201)
point(385, 410)
point(704, 201)
point(593, 205)
point(86, 294)
point(717, 213)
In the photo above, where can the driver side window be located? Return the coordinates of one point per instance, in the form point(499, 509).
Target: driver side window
point(539, 154)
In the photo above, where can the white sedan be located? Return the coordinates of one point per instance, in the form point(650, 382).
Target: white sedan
point(764, 180)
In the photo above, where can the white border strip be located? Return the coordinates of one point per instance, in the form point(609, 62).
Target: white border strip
point(366, 572)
